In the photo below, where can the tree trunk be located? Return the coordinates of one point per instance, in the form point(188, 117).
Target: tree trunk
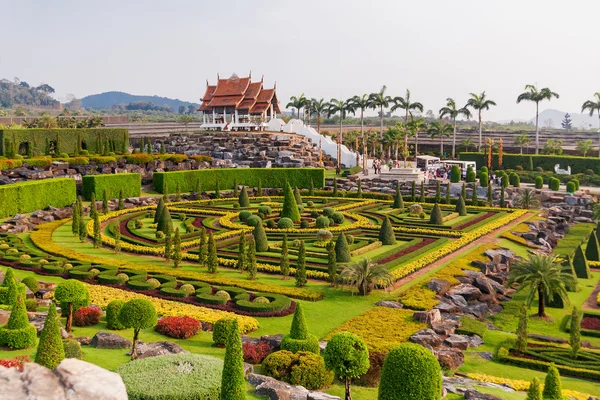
point(136, 332)
point(405, 138)
point(362, 135)
point(541, 304)
point(348, 395)
point(70, 318)
point(381, 131)
point(537, 129)
point(441, 146)
point(339, 147)
point(480, 138)
point(599, 133)
point(416, 143)
point(454, 142)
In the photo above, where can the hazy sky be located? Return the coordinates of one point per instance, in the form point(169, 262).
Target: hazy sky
point(324, 48)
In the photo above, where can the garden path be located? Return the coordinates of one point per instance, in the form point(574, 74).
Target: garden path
point(591, 303)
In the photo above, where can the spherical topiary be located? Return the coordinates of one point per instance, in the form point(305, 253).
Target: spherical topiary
point(42, 262)
point(68, 266)
point(328, 211)
point(4, 246)
point(137, 314)
point(285, 223)
point(415, 209)
point(266, 210)
point(337, 217)
point(12, 251)
point(539, 182)
point(539, 169)
point(386, 233)
point(303, 368)
point(261, 300)
point(589, 172)
point(50, 351)
point(410, 372)
point(314, 214)
point(154, 283)
point(24, 257)
point(189, 289)
point(69, 294)
point(160, 235)
point(254, 220)
point(112, 315)
point(342, 251)
point(324, 235)
point(519, 168)
point(347, 356)
point(310, 203)
point(300, 209)
point(221, 330)
point(322, 222)
point(304, 224)
point(124, 277)
point(94, 272)
point(244, 215)
point(31, 283)
point(223, 294)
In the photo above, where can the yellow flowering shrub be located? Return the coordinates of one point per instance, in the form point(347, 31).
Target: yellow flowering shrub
point(522, 386)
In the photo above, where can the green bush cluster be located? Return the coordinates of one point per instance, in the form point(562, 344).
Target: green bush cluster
point(19, 198)
point(514, 179)
point(546, 162)
point(302, 368)
point(571, 187)
point(72, 349)
point(129, 184)
point(269, 177)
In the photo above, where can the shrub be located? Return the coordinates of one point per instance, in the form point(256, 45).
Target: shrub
point(580, 264)
point(409, 372)
point(304, 224)
point(539, 182)
point(571, 187)
point(50, 351)
point(256, 353)
point(18, 333)
point(112, 315)
point(285, 223)
point(260, 238)
point(23, 197)
point(271, 224)
point(436, 217)
point(31, 305)
point(471, 177)
point(243, 198)
point(16, 363)
point(221, 330)
point(552, 384)
point(71, 295)
point(461, 208)
point(129, 183)
point(328, 211)
point(233, 384)
point(244, 215)
point(324, 235)
point(87, 316)
point(137, 314)
point(31, 283)
point(386, 233)
point(589, 171)
point(514, 179)
point(337, 217)
point(455, 174)
point(266, 210)
point(347, 356)
point(484, 179)
point(554, 184)
point(290, 206)
point(178, 327)
point(72, 349)
point(303, 368)
point(299, 338)
point(535, 390)
point(254, 220)
point(322, 222)
point(177, 376)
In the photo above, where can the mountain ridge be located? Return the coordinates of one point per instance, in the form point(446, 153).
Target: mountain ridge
point(113, 98)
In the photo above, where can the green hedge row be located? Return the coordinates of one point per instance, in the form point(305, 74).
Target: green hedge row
point(94, 140)
point(545, 161)
point(131, 184)
point(208, 178)
point(30, 196)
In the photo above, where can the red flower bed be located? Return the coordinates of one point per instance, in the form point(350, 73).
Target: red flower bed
point(256, 353)
point(16, 362)
point(178, 327)
point(473, 222)
point(87, 316)
point(592, 323)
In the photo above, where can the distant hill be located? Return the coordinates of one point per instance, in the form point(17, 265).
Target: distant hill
point(580, 121)
point(109, 99)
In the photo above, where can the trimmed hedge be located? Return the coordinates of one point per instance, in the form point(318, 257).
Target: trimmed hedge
point(18, 198)
point(131, 184)
point(545, 161)
point(269, 177)
point(93, 139)
point(276, 303)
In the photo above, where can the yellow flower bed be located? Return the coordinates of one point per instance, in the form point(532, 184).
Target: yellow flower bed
point(102, 295)
point(522, 386)
point(381, 328)
point(455, 245)
point(594, 264)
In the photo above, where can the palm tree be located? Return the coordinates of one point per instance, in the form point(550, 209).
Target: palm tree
point(343, 107)
point(307, 105)
point(441, 130)
point(381, 101)
point(544, 276)
point(522, 140)
point(532, 94)
point(405, 104)
point(363, 103)
point(365, 276)
point(526, 199)
point(318, 107)
point(297, 103)
point(480, 103)
point(584, 146)
point(467, 143)
point(47, 121)
point(591, 106)
point(452, 112)
point(414, 126)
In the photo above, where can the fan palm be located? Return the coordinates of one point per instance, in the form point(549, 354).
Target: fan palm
point(526, 199)
point(522, 140)
point(405, 104)
point(343, 107)
point(414, 126)
point(318, 107)
point(452, 112)
point(542, 275)
point(307, 106)
point(365, 276)
point(584, 146)
point(363, 103)
point(381, 101)
point(441, 130)
point(297, 103)
point(534, 95)
point(480, 103)
point(467, 143)
point(47, 121)
point(591, 106)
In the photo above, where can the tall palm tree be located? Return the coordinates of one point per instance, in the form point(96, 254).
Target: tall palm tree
point(534, 95)
point(363, 103)
point(307, 106)
point(297, 103)
point(591, 106)
point(415, 125)
point(319, 107)
point(480, 103)
point(526, 199)
point(452, 112)
point(381, 101)
point(441, 130)
point(543, 276)
point(343, 107)
point(365, 276)
point(522, 140)
point(467, 143)
point(405, 104)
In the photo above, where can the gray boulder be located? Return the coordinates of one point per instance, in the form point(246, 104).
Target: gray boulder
point(472, 394)
point(478, 310)
point(106, 340)
point(389, 304)
point(145, 350)
point(428, 317)
point(273, 340)
point(457, 342)
point(439, 286)
point(469, 292)
point(450, 358)
point(427, 337)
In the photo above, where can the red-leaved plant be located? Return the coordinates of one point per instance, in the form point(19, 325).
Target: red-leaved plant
point(16, 362)
point(592, 323)
point(178, 327)
point(87, 316)
point(256, 353)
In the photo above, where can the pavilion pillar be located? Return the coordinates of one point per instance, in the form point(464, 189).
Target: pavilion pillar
point(236, 116)
point(214, 116)
point(271, 111)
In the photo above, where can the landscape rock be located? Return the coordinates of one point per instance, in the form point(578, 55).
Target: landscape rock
point(84, 340)
point(478, 310)
point(106, 340)
point(469, 292)
point(450, 358)
point(472, 394)
point(321, 396)
point(273, 340)
point(445, 326)
point(145, 350)
point(457, 342)
point(475, 341)
point(428, 317)
point(427, 337)
point(439, 286)
point(458, 300)
point(277, 390)
point(448, 307)
point(389, 304)
point(486, 355)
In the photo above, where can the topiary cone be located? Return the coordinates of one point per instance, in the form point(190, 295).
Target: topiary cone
point(436, 217)
point(50, 351)
point(342, 251)
point(290, 207)
point(386, 233)
point(461, 208)
point(535, 390)
point(552, 384)
point(243, 199)
point(260, 238)
point(592, 251)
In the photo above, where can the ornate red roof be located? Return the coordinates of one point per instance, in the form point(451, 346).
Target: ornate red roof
point(241, 94)
point(265, 95)
point(253, 90)
point(210, 90)
point(225, 101)
point(232, 87)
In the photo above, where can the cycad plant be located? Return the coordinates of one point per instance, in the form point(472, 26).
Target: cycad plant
point(365, 276)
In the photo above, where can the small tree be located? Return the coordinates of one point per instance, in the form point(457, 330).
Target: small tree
point(168, 244)
point(177, 256)
point(235, 188)
point(202, 247)
point(386, 233)
point(137, 314)
point(297, 196)
point(422, 199)
point(438, 192)
point(68, 293)
point(241, 260)
point(160, 207)
point(535, 390)
point(97, 235)
point(463, 191)
point(347, 356)
point(461, 208)
point(290, 207)
point(436, 217)
point(82, 229)
point(284, 261)
point(300, 339)
point(213, 261)
point(75, 222)
point(335, 188)
point(301, 266)
point(331, 263)
point(93, 210)
point(490, 196)
point(251, 260)
point(177, 192)
point(502, 199)
point(575, 332)
point(50, 351)
point(164, 223)
point(243, 198)
point(233, 384)
point(162, 147)
point(121, 203)
point(104, 202)
point(311, 188)
point(359, 193)
point(552, 384)
point(474, 199)
point(413, 191)
point(342, 251)
point(260, 237)
point(398, 200)
point(521, 343)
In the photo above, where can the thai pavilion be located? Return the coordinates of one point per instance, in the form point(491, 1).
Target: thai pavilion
point(238, 104)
